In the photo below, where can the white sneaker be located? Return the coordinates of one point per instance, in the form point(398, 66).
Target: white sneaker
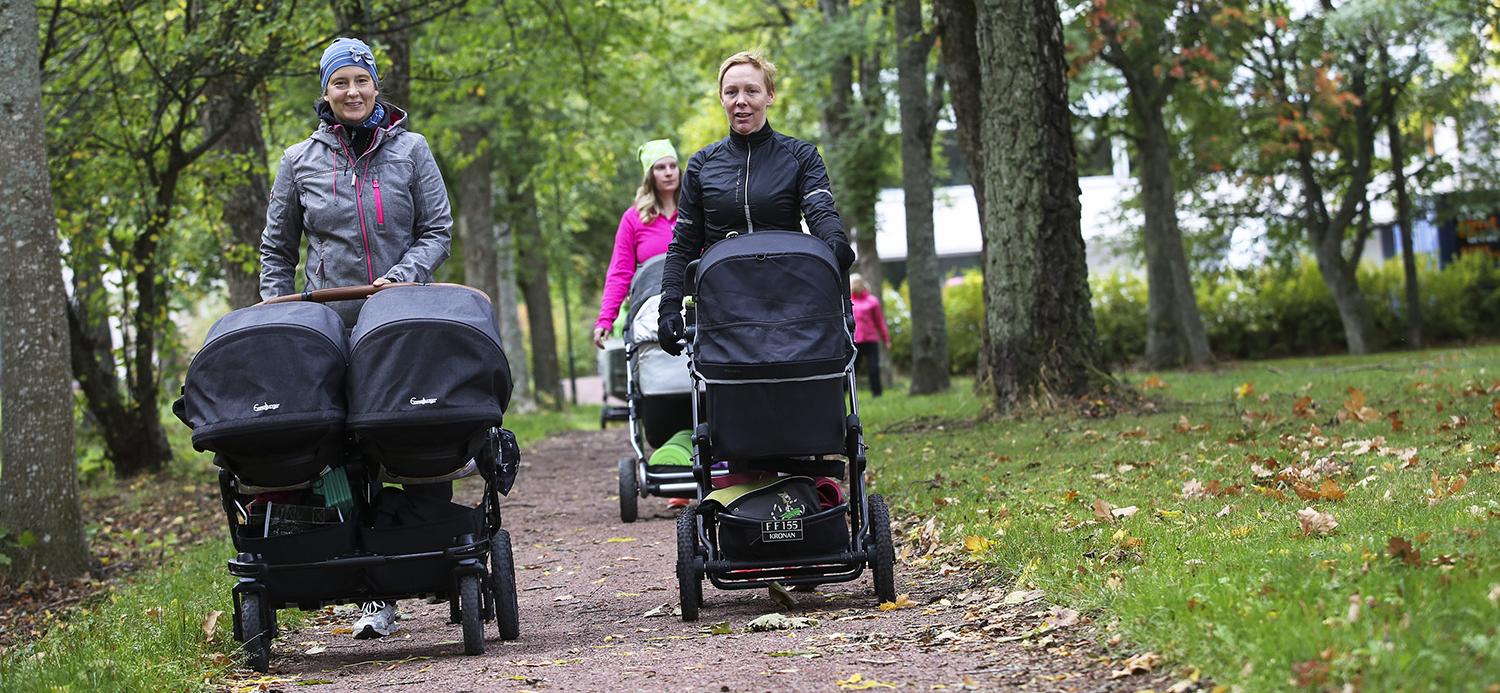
point(378, 621)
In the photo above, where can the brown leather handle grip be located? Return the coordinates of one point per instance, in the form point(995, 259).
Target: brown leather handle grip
point(353, 293)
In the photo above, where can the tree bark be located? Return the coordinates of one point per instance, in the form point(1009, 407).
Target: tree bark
point(1403, 222)
point(1041, 326)
point(1174, 328)
point(929, 346)
point(509, 303)
point(246, 193)
point(957, 25)
point(535, 286)
point(476, 215)
point(38, 482)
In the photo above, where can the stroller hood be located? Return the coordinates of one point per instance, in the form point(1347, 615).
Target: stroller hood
point(771, 305)
point(427, 354)
point(266, 391)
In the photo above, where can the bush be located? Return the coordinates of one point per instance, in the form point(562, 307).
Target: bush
point(1262, 312)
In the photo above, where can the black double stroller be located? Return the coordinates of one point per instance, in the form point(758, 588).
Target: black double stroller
point(309, 428)
point(771, 352)
point(658, 391)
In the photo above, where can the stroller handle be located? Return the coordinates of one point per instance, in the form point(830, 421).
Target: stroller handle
point(353, 293)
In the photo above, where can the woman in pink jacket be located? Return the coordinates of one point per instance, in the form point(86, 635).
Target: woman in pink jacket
point(869, 330)
point(645, 229)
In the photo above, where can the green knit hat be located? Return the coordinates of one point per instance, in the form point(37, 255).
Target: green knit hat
point(653, 150)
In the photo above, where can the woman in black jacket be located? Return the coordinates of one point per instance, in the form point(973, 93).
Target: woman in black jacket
point(754, 179)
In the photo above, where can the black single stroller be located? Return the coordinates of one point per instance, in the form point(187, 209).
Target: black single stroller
point(658, 390)
point(772, 358)
point(306, 427)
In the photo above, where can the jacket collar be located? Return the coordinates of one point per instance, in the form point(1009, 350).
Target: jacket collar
point(754, 138)
point(395, 122)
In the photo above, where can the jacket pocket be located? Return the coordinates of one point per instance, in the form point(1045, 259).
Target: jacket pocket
point(379, 206)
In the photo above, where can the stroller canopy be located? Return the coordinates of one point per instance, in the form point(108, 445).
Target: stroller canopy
point(771, 306)
point(645, 284)
point(427, 354)
point(278, 366)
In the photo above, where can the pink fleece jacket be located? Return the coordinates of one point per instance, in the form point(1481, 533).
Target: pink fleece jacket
point(869, 319)
point(635, 243)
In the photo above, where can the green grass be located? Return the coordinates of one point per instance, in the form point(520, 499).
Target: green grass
point(146, 634)
point(1246, 596)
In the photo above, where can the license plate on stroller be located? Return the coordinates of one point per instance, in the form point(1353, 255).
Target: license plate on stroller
point(781, 530)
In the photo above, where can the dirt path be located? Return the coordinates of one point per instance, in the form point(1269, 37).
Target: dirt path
point(588, 581)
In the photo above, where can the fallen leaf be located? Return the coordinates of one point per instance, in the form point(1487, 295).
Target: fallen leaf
point(1315, 523)
point(1021, 597)
point(315, 649)
point(1330, 490)
point(720, 628)
point(1402, 550)
point(857, 682)
point(1153, 383)
point(1140, 664)
point(976, 544)
point(211, 624)
point(1103, 510)
point(663, 611)
point(777, 621)
point(1223, 512)
point(903, 601)
point(618, 540)
point(1192, 489)
point(1244, 390)
point(1304, 407)
point(781, 596)
point(1124, 512)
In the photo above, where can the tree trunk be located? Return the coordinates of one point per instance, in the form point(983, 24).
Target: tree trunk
point(1174, 329)
point(1403, 222)
point(850, 124)
point(958, 25)
point(392, 37)
point(38, 482)
point(509, 303)
point(532, 252)
point(476, 215)
point(1338, 274)
point(246, 193)
point(929, 345)
point(1036, 291)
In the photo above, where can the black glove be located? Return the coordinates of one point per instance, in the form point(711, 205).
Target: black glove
point(670, 331)
point(843, 253)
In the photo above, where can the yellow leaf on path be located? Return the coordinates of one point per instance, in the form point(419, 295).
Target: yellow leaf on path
point(619, 540)
point(341, 630)
point(903, 601)
point(976, 544)
point(857, 682)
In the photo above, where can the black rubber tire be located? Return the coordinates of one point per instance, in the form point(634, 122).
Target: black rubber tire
point(883, 561)
point(471, 610)
point(689, 580)
point(257, 636)
point(503, 584)
point(630, 490)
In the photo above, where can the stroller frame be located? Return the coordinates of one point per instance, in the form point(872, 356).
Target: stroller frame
point(870, 542)
point(483, 585)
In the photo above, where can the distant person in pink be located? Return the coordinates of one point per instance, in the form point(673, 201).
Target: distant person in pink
point(645, 229)
point(869, 331)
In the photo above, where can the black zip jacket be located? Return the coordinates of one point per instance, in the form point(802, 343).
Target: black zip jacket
point(744, 183)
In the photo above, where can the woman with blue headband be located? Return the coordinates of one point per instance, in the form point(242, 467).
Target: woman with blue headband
point(367, 195)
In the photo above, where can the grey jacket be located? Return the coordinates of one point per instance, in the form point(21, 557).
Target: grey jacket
point(383, 213)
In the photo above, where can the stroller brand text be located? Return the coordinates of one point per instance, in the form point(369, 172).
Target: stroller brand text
point(267, 406)
point(417, 401)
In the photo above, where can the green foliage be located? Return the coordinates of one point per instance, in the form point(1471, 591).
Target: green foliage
point(1218, 575)
point(963, 306)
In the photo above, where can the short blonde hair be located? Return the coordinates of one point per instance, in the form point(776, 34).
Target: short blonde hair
point(754, 58)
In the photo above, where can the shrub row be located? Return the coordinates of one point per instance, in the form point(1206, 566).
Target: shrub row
point(1261, 312)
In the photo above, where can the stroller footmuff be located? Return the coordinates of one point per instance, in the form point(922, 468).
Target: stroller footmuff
point(658, 390)
point(305, 427)
point(773, 354)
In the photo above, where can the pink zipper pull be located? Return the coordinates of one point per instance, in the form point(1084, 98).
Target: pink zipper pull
point(379, 208)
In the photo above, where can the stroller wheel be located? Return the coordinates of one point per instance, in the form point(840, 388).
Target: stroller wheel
point(255, 632)
point(689, 579)
point(472, 613)
point(503, 582)
point(630, 490)
point(883, 553)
